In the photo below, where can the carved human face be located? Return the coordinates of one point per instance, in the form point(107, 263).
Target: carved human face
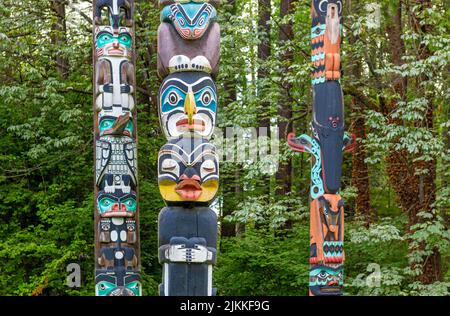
point(116, 204)
point(113, 42)
point(191, 20)
point(188, 170)
point(188, 104)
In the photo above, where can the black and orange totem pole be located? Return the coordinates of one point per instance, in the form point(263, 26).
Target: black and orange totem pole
point(188, 166)
point(326, 146)
point(116, 192)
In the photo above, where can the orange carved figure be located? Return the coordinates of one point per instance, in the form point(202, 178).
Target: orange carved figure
point(332, 43)
point(327, 227)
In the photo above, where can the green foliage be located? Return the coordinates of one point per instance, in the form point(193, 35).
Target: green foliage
point(46, 160)
point(262, 263)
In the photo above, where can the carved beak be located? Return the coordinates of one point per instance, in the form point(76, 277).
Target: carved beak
point(189, 107)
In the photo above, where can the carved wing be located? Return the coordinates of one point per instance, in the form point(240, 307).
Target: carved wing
point(131, 157)
point(103, 154)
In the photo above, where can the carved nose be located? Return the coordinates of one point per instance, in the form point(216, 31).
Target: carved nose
point(115, 207)
point(193, 177)
point(116, 44)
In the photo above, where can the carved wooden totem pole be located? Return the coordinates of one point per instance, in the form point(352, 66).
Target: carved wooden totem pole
point(116, 202)
point(188, 166)
point(326, 146)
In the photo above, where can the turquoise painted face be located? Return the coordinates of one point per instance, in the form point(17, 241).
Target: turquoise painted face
point(117, 204)
point(106, 38)
point(107, 284)
point(134, 287)
point(110, 43)
point(191, 20)
point(104, 288)
point(325, 280)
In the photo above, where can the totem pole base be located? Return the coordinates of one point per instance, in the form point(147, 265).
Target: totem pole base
point(187, 250)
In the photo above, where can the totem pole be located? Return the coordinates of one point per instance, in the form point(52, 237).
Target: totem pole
point(326, 147)
point(188, 166)
point(117, 250)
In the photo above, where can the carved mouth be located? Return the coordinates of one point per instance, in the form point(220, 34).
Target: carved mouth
point(115, 51)
point(189, 190)
point(333, 283)
point(198, 125)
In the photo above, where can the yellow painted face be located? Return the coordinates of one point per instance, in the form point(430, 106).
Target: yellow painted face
point(188, 170)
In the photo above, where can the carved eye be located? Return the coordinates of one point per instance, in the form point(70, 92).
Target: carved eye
point(207, 168)
point(170, 165)
point(181, 22)
point(339, 3)
point(105, 227)
point(206, 97)
point(201, 21)
point(130, 204)
point(322, 275)
point(173, 98)
point(320, 5)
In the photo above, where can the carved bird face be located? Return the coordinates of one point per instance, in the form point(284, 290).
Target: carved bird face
point(111, 42)
point(188, 170)
point(188, 104)
point(191, 20)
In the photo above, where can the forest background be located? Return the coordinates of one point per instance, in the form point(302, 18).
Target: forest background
point(396, 182)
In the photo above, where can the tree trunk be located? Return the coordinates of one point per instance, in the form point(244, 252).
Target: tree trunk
point(58, 36)
point(231, 191)
point(264, 52)
point(360, 171)
point(415, 193)
point(427, 188)
point(283, 175)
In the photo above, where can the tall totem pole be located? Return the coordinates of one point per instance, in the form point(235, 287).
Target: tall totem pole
point(116, 202)
point(326, 146)
point(188, 166)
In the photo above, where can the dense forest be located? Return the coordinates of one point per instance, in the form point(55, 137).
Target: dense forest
point(395, 183)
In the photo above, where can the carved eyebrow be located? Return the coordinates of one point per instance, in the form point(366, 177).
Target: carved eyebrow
point(202, 83)
point(104, 32)
point(180, 84)
point(175, 155)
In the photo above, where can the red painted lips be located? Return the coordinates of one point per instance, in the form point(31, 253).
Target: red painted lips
point(189, 189)
point(197, 125)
